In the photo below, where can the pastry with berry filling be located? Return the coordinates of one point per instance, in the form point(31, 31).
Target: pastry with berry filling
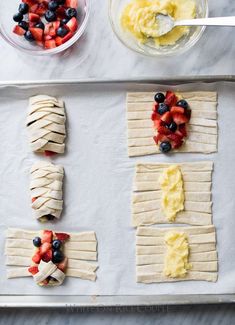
point(46, 125)
point(46, 191)
point(163, 122)
point(51, 256)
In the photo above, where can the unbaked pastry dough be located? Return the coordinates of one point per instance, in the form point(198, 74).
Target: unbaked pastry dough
point(202, 126)
point(80, 249)
point(151, 250)
point(46, 190)
point(46, 124)
point(146, 199)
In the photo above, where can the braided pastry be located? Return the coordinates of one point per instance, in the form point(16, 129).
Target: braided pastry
point(46, 124)
point(46, 190)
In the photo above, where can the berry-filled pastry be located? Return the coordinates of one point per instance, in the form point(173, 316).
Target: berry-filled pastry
point(46, 191)
point(167, 122)
point(46, 125)
point(172, 193)
point(176, 254)
point(50, 256)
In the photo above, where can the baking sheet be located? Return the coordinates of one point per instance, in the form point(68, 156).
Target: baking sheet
point(98, 185)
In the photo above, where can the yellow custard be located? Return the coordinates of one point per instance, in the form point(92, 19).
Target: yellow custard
point(138, 18)
point(171, 182)
point(176, 260)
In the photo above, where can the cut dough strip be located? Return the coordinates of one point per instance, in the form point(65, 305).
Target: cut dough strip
point(202, 126)
point(46, 124)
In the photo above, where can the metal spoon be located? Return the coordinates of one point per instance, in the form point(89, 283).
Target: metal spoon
point(166, 23)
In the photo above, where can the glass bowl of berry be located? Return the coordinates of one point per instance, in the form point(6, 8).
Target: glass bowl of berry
point(43, 27)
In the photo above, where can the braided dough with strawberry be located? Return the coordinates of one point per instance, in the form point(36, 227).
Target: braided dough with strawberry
point(46, 190)
point(46, 124)
point(34, 253)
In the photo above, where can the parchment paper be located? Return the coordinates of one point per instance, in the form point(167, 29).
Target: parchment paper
point(98, 186)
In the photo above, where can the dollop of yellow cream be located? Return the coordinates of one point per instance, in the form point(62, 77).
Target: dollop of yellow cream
point(176, 260)
point(171, 182)
point(139, 18)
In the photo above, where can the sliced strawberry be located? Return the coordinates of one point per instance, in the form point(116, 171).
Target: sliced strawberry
point(50, 45)
point(158, 123)
point(34, 199)
point(34, 18)
point(29, 2)
point(166, 117)
point(179, 118)
point(44, 248)
point(56, 24)
point(160, 138)
point(33, 269)
point(62, 236)
point(58, 41)
point(183, 130)
point(163, 130)
point(47, 38)
point(171, 98)
point(67, 37)
point(61, 12)
point(37, 33)
point(33, 8)
point(177, 109)
point(155, 116)
point(47, 28)
point(49, 153)
point(72, 3)
point(46, 236)
point(176, 140)
point(18, 30)
point(41, 9)
point(36, 257)
point(63, 265)
point(47, 257)
point(155, 107)
point(72, 24)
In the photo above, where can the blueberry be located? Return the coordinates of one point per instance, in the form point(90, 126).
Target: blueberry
point(64, 21)
point(40, 25)
point(172, 127)
point(29, 36)
point(182, 103)
point(23, 24)
point(18, 17)
point(62, 31)
point(57, 256)
point(71, 12)
point(37, 241)
point(52, 5)
point(60, 2)
point(165, 147)
point(56, 244)
point(163, 108)
point(159, 97)
point(23, 8)
point(49, 217)
point(50, 15)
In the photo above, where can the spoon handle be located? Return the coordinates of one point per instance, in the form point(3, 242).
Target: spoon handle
point(214, 21)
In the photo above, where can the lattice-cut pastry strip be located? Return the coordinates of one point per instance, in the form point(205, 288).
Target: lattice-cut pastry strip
point(46, 124)
point(56, 255)
point(148, 195)
point(201, 130)
point(154, 259)
point(46, 190)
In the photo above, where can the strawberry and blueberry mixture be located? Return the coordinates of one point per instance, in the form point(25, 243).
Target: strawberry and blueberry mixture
point(170, 117)
point(48, 23)
point(48, 248)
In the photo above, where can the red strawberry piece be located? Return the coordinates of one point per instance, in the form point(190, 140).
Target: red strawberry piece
point(33, 8)
point(163, 130)
point(160, 138)
point(18, 30)
point(46, 236)
point(61, 12)
point(158, 123)
point(29, 2)
point(58, 41)
point(33, 269)
point(62, 236)
point(47, 257)
point(41, 10)
point(56, 24)
point(47, 28)
point(179, 118)
point(155, 107)
point(48, 38)
point(183, 130)
point(49, 153)
point(155, 116)
point(44, 248)
point(176, 140)
point(34, 199)
point(36, 257)
point(177, 109)
point(37, 33)
point(33, 17)
point(166, 117)
point(72, 24)
point(50, 45)
point(72, 3)
point(171, 98)
point(63, 265)
point(67, 37)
